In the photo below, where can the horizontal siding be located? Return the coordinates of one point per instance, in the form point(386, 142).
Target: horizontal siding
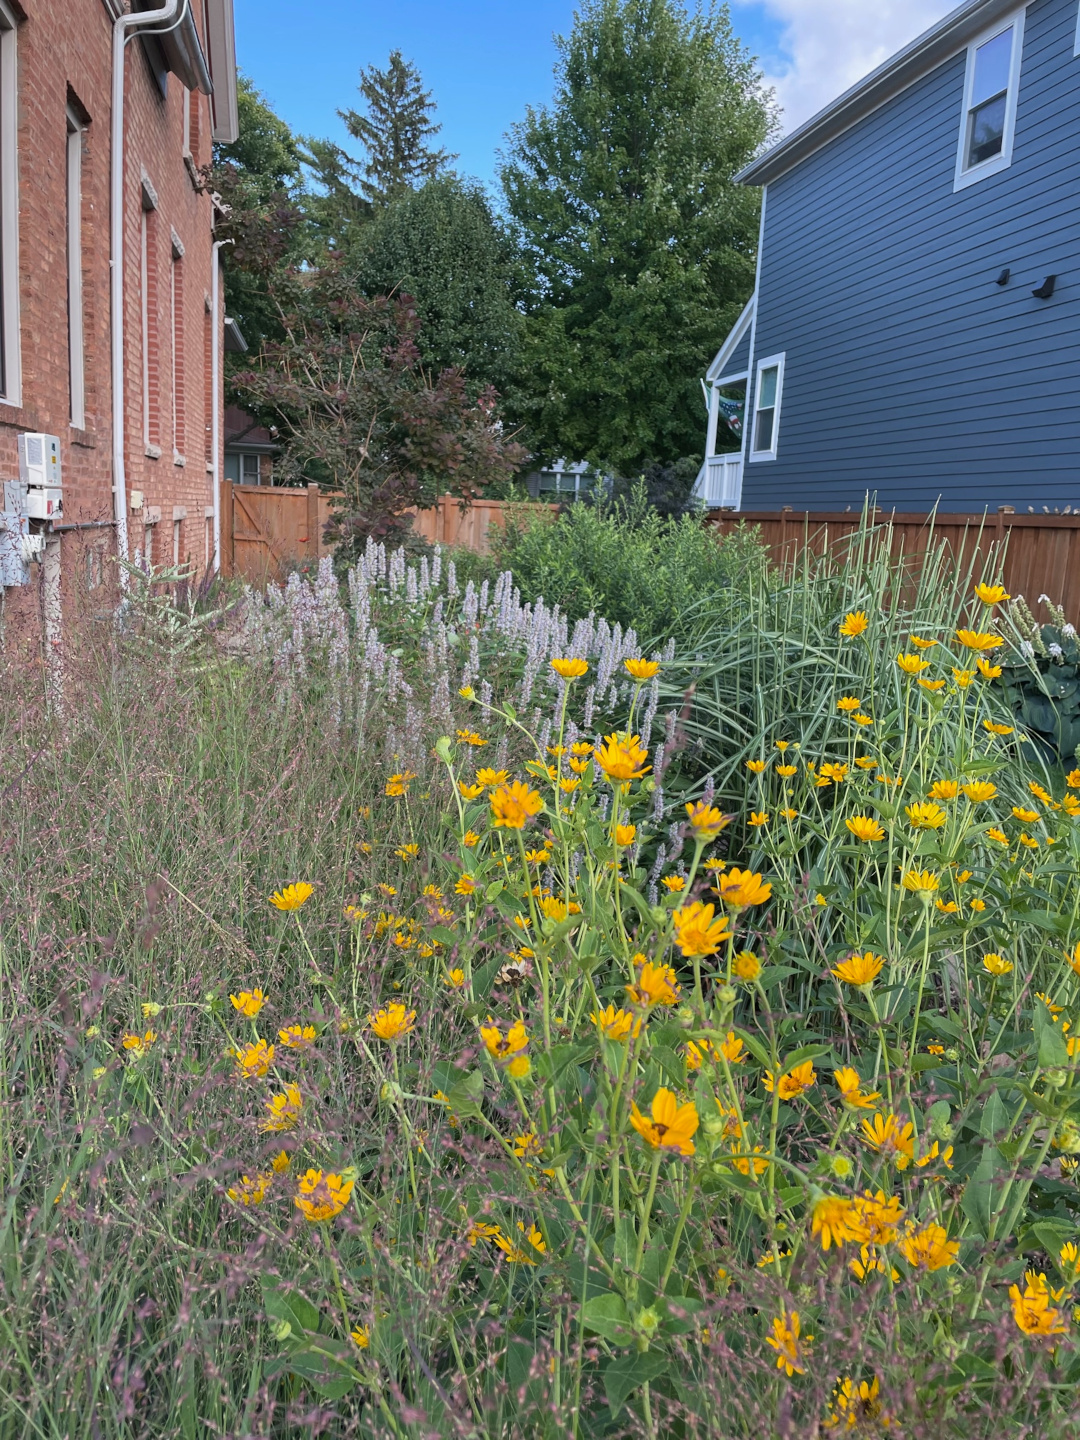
point(740, 357)
point(909, 372)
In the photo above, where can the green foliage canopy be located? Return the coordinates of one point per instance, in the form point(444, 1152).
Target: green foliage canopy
point(442, 245)
point(640, 248)
point(260, 180)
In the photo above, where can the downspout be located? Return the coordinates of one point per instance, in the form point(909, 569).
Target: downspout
point(125, 28)
point(215, 406)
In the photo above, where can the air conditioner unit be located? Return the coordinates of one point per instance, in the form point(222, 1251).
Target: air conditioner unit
point(39, 461)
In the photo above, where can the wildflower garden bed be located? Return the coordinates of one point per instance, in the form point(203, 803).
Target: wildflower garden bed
point(424, 1017)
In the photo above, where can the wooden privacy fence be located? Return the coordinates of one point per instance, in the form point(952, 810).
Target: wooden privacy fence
point(1042, 556)
point(447, 524)
point(266, 530)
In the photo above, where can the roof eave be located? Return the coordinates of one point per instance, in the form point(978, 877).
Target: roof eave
point(221, 48)
point(925, 53)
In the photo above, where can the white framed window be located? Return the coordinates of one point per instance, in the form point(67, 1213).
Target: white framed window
point(1076, 42)
point(768, 394)
point(76, 359)
point(991, 82)
point(10, 352)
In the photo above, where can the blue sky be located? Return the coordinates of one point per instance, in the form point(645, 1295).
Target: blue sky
point(485, 60)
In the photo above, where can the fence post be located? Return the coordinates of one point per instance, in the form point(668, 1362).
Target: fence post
point(313, 520)
point(228, 552)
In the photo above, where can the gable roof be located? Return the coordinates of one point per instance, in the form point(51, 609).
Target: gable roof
point(923, 54)
point(731, 344)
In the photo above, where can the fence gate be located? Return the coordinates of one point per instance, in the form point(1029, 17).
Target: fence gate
point(268, 529)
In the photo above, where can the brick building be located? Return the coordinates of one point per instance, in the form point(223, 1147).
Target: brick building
point(110, 308)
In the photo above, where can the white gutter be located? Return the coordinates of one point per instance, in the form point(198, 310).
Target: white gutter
point(215, 408)
point(925, 53)
point(125, 28)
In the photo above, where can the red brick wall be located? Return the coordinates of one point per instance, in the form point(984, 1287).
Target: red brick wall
point(64, 50)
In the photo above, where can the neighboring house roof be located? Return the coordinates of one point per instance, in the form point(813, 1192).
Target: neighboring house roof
point(234, 337)
point(243, 432)
point(925, 53)
point(731, 344)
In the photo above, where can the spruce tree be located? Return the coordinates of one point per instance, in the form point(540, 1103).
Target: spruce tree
point(395, 130)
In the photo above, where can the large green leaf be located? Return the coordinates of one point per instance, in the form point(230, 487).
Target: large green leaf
point(607, 1315)
point(626, 1373)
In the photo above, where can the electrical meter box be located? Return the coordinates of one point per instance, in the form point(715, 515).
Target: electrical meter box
point(15, 539)
point(39, 471)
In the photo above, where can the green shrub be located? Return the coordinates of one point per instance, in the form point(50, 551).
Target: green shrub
point(628, 563)
point(1042, 682)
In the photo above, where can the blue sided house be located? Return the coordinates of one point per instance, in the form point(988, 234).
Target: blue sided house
point(915, 330)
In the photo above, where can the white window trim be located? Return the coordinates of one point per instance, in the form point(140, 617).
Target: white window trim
point(11, 392)
point(767, 364)
point(76, 349)
point(964, 176)
point(1076, 42)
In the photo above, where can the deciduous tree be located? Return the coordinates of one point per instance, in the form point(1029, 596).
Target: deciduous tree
point(362, 415)
point(640, 246)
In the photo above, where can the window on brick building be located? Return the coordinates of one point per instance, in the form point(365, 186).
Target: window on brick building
point(179, 397)
point(76, 360)
point(151, 360)
point(10, 360)
point(192, 134)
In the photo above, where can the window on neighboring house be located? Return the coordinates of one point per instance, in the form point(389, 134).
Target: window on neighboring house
point(177, 308)
point(76, 361)
point(990, 87)
point(10, 359)
point(768, 394)
point(244, 467)
point(566, 480)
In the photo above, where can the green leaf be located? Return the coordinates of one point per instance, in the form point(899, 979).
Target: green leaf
point(756, 1048)
point(443, 935)
point(977, 1200)
point(1053, 1051)
point(467, 1095)
point(806, 1052)
point(290, 1307)
point(994, 1120)
point(626, 1372)
point(607, 1315)
point(1051, 1235)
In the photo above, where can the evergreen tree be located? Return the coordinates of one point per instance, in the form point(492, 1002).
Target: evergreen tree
point(441, 245)
point(334, 207)
point(640, 247)
point(395, 130)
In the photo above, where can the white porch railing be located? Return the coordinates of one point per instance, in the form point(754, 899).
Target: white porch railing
point(719, 482)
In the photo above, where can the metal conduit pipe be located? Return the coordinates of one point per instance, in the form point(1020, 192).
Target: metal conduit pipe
point(125, 28)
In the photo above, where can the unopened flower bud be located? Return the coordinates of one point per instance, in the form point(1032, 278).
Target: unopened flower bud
point(647, 1322)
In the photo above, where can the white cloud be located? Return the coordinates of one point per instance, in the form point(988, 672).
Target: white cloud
point(828, 45)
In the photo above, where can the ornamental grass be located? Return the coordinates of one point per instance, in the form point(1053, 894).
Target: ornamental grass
point(486, 1130)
